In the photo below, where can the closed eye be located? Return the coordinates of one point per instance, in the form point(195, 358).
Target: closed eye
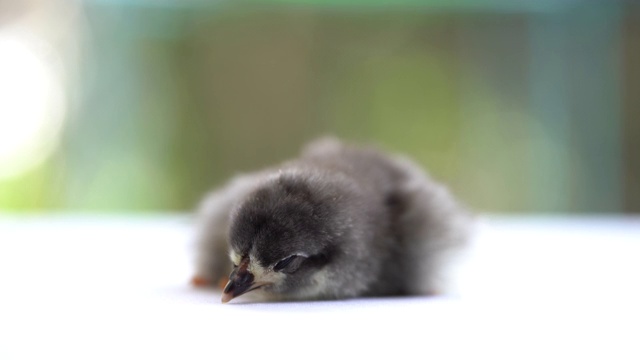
point(284, 262)
point(289, 264)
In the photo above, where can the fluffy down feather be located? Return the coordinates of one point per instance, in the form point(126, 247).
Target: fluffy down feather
point(339, 221)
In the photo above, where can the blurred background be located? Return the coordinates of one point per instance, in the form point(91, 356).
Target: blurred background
point(144, 105)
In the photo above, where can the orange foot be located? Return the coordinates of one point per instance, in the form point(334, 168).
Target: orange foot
point(199, 281)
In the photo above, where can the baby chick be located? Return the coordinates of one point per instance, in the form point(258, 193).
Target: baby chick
point(338, 222)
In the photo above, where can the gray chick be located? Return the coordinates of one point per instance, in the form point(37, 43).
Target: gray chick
point(338, 222)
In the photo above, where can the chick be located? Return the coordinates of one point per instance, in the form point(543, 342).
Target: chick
point(338, 222)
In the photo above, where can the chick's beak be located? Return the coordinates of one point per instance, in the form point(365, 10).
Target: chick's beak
point(241, 281)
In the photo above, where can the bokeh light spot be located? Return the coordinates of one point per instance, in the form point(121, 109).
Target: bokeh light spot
point(32, 103)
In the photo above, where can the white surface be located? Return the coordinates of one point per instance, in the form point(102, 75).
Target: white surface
point(116, 287)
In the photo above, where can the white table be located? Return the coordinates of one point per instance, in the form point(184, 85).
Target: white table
point(106, 287)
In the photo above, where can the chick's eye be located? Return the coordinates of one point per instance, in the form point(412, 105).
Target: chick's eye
point(284, 263)
point(289, 264)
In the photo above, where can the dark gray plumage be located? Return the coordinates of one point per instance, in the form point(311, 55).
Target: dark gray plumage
point(337, 222)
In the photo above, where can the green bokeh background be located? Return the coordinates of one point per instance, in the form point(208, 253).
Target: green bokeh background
point(518, 106)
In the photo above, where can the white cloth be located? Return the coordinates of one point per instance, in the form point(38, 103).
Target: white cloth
point(100, 287)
